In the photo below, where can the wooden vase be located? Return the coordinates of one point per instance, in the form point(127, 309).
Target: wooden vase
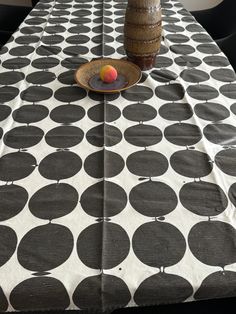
point(142, 32)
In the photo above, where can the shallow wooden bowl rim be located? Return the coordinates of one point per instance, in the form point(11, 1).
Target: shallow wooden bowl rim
point(131, 66)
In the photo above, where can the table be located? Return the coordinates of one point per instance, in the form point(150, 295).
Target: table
point(118, 200)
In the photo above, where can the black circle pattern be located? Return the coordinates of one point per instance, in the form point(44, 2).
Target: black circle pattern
point(103, 182)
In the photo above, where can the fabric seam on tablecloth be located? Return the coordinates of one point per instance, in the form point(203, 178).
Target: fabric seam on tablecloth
point(104, 168)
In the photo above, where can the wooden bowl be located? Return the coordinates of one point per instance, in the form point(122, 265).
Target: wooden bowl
point(130, 71)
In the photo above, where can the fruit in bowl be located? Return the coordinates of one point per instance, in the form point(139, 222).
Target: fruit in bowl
point(108, 74)
point(88, 75)
point(108, 78)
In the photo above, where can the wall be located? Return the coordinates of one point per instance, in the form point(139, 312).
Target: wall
point(199, 4)
point(189, 4)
